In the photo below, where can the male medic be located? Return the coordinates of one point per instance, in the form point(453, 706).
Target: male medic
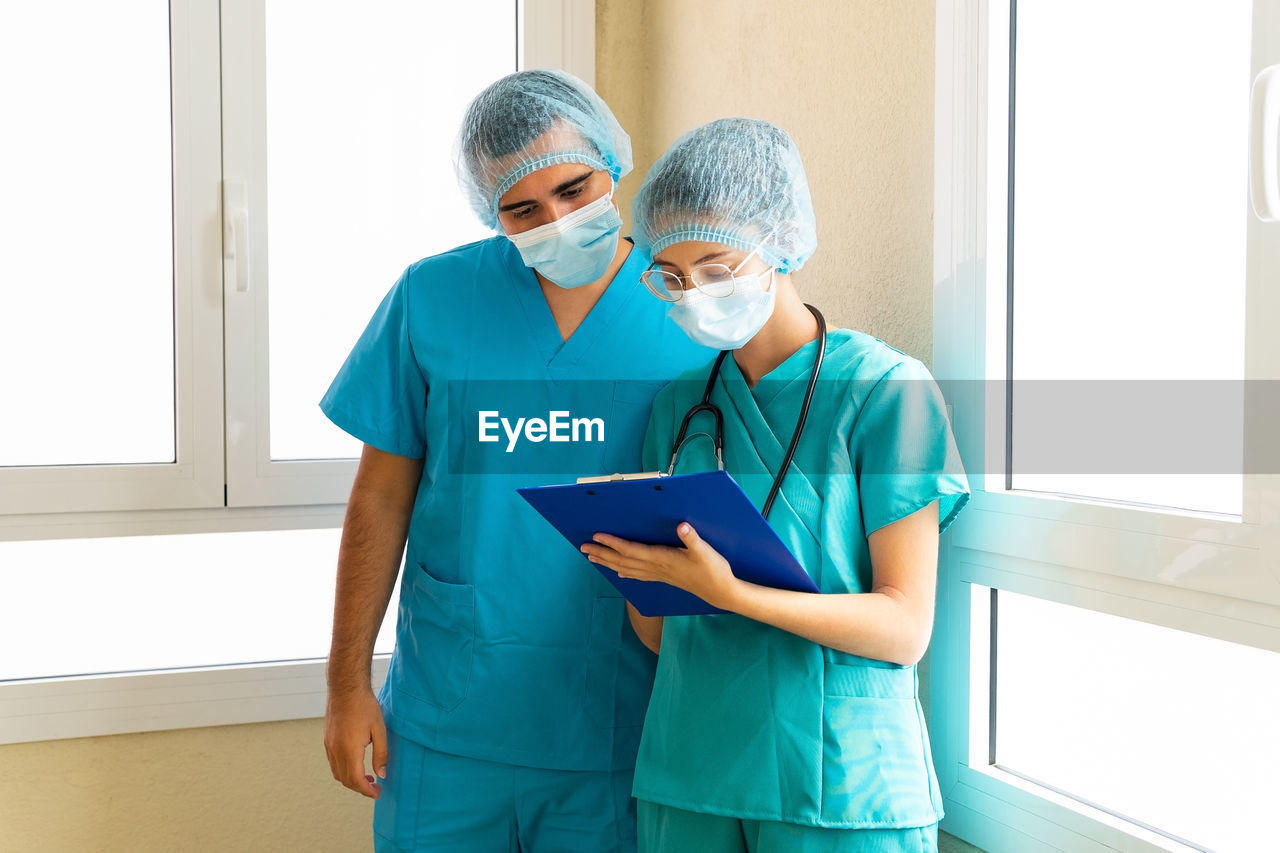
point(511, 711)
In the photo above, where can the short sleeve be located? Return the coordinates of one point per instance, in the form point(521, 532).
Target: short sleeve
point(903, 452)
point(380, 394)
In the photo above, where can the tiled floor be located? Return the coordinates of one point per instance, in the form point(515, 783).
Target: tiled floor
point(951, 844)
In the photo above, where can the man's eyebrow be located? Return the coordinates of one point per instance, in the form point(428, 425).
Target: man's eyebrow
point(569, 184)
point(515, 204)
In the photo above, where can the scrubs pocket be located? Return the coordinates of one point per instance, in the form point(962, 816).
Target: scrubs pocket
point(609, 703)
point(443, 637)
point(876, 764)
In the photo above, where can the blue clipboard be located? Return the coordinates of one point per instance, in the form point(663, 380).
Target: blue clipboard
point(648, 510)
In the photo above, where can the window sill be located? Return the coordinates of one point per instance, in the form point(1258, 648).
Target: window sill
point(92, 706)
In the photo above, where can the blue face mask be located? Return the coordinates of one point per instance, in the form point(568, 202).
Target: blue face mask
point(726, 322)
point(577, 248)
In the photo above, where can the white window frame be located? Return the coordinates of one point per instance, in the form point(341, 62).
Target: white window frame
point(1102, 557)
point(196, 478)
point(224, 479)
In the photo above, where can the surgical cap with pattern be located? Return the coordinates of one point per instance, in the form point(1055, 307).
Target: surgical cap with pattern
point(530, 120)
point(734, 181)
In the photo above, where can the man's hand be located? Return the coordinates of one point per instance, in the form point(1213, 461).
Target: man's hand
point(373, 539)
point(353, 721)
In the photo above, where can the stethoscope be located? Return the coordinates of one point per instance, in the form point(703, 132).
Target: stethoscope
point(717, 440)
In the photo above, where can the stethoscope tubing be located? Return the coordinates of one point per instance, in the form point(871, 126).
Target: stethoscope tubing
point(717, 438)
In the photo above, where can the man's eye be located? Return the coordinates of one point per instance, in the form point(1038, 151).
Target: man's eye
point(572, 193)
point(522, 212)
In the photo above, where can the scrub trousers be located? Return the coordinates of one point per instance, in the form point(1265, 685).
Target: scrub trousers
point(665, 829)
point(440, 803)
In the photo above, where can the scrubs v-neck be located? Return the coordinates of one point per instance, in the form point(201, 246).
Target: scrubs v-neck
point(510, 647)
point(753, 722)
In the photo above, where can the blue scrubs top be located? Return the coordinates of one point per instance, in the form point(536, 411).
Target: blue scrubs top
point(510, 646)
point(751, 721)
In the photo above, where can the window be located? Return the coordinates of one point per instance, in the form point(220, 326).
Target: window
point(1100, 328)
point(1157, 278)
point(332, 148)
point(1164, 728)
point(87, 262)
point(109, 267)
point(202, 599)
point(214, 198)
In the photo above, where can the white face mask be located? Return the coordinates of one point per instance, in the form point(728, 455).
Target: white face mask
point(575, 249)
point(725, 322)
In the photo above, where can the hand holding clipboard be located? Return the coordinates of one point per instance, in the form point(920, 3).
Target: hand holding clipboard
point(649, 510)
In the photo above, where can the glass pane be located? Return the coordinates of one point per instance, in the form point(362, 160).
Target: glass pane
point(1130, 207)
point(86, 225)
point(361, 116)
point(1171, 729)
point(175, 601)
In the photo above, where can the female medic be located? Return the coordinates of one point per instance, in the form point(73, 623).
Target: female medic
point(790, 722)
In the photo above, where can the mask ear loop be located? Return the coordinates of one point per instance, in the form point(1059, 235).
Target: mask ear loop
point(759, 251)
point(772, 272)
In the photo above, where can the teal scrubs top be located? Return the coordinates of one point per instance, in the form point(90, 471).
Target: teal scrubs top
point(510, 646)
point(753, 722)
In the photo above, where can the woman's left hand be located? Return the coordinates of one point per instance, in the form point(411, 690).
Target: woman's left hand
point(697, 567)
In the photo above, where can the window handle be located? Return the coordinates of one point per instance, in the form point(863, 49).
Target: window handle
point(1264, 165)
point(235, 236)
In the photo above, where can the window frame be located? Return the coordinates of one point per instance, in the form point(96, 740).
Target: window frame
point(217, 484)
point(195, 478)
point(1072, 551)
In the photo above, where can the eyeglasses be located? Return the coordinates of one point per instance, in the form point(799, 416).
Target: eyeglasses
point(711, 279)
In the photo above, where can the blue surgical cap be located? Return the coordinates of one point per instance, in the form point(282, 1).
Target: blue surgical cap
point(735, 181)
point(530, 120)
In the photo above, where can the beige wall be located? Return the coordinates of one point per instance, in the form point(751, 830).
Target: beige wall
point(230, 789)
point(853, 82)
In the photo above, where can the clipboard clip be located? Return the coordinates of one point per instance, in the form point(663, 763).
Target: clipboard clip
point(614, 478)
